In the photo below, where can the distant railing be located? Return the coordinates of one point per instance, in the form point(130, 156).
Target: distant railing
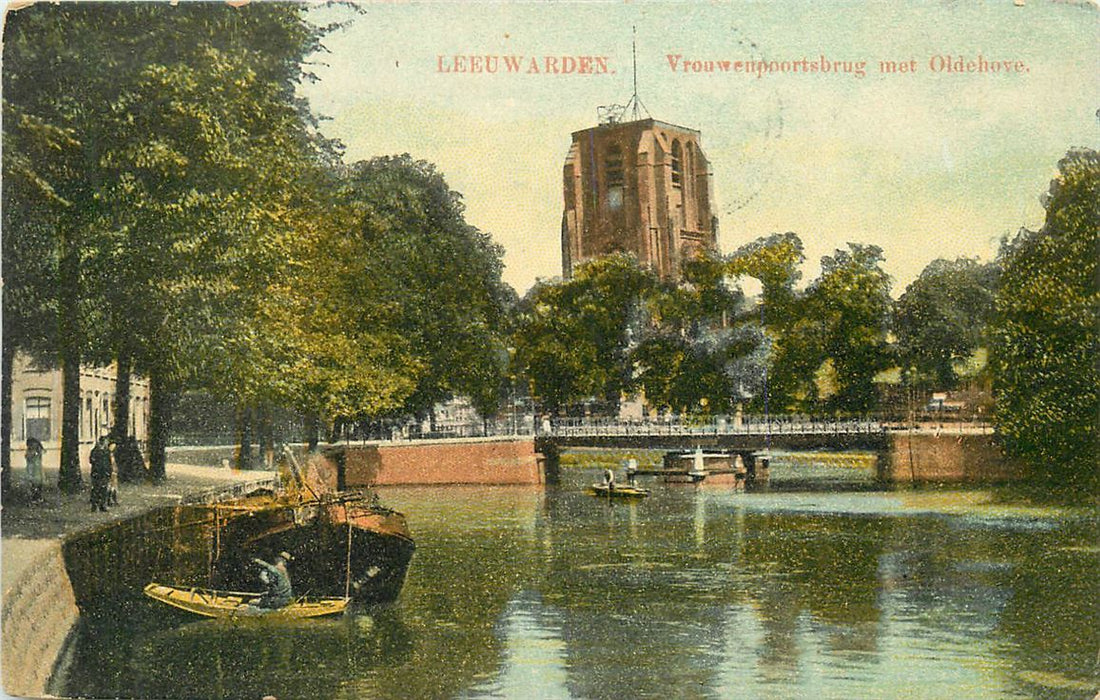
point(747, 425)
point(528, 426)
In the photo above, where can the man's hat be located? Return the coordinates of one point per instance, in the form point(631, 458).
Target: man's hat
point(286, 556)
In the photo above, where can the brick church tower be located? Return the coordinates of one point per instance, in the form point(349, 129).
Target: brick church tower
point(642, 187)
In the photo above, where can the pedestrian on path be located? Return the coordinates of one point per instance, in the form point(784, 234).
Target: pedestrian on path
point(34, 467)
point(100, 460)
point(129, 461)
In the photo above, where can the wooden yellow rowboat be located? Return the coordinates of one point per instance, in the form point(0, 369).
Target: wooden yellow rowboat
point(617, 492)
point(211, 603)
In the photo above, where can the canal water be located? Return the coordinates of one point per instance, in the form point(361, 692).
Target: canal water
point(695, 592)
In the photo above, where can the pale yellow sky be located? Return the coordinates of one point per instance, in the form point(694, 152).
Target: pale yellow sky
point(925, 164)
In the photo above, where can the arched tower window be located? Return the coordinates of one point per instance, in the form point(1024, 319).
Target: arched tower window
point(677, 164)
point(690, 164)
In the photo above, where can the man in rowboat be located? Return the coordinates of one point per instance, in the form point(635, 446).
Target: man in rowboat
point(277, 581)
point(609, 480)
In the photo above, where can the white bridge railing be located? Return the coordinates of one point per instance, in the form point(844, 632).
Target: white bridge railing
point(787, 425)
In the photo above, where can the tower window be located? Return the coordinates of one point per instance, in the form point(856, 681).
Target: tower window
point(615, 197)
point(677, 165)
point(613, 175)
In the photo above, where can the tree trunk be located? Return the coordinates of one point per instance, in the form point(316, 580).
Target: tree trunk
point(244, 438)
point(312, 426)
point(68, 326)
point(266, 437)
point(69, 479)
point(5, 418)
point(160, 421)
point(121, 429)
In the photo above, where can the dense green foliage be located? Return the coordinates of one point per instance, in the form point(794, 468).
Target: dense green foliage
point(159, 146)
point(1045, 336)
point(942, 318)
point(696, 346)
point(573, 338)
point(835, 328)
point(790, 361)
point(173, 208)
point(850, 306)
point(431, 282)
point(692, 350)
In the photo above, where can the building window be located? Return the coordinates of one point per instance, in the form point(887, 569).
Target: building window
point(677, 165)
point(613, 176)
point(86, 424)
point(36, 418)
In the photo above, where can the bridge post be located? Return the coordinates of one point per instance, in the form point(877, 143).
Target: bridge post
point(551, 458)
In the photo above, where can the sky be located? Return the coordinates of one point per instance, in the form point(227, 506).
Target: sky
point(921, 160)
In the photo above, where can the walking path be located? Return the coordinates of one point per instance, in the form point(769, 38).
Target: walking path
point(61, 514)
point(27, 528)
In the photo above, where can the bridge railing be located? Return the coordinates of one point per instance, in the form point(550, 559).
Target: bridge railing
point(747, 425)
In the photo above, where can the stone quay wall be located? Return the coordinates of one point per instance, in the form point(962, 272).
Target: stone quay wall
point(39, 611)
point(60, 560)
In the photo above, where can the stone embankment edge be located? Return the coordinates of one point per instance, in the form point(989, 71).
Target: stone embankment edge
point(39, 615)
point(39, 610)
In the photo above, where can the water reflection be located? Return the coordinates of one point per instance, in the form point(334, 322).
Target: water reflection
point(694, 592)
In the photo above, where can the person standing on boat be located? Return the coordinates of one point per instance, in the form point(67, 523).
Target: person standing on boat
point(278, 592)
point(609, 479)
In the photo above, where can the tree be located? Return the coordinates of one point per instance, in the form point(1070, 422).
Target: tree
point(690, 357)
point(942, 317)
point(847, 309)
point(573, 338)
point(1045, 331)
point(168, 133)
point(429, 277)
point(792, 344)
point(29, 309)
point(774, 261)
point(54, 98)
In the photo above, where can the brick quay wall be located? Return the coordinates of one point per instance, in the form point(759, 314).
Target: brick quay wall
point(947, 457)
point(482, 461)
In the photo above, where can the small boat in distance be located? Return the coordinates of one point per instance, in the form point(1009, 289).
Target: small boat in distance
point(604, 491)
point(212, 603)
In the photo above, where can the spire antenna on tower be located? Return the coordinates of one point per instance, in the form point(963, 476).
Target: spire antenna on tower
point(635, 101)
point(613, 114)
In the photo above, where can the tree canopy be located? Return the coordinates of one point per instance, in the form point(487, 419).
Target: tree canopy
point(573, 338)
point(178, 211)
point(144, 140)
point(942, 317)
point(1045, 333)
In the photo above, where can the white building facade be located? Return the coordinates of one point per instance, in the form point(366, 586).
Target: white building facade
point(36, 398)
